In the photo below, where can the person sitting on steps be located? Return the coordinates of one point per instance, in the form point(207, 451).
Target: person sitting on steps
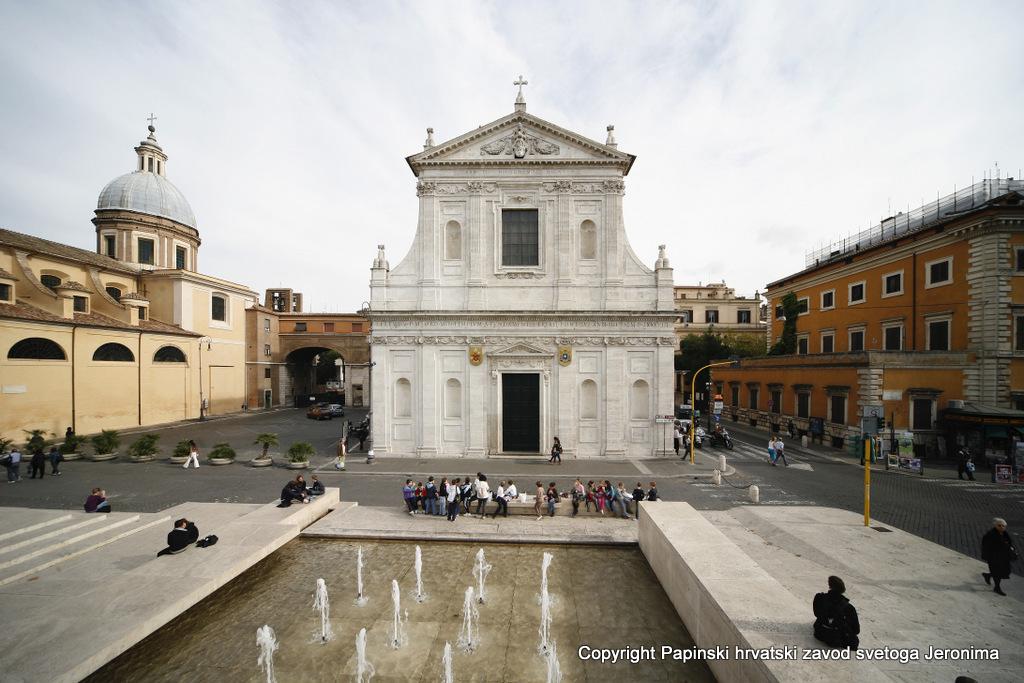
point(97, 502)
point(184, 534)
point(836, 621)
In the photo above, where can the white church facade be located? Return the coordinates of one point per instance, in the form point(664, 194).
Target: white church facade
point(521, 313)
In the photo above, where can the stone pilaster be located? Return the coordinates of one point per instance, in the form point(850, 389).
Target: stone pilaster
point(989, 325)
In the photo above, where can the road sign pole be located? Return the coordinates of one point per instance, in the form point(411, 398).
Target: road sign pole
point(867, 481)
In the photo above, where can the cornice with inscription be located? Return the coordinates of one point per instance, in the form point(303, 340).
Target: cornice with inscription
point(504, 341)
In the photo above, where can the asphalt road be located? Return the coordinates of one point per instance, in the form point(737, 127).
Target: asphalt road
point(937, 507)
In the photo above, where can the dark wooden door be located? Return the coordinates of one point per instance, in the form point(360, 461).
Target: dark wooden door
point(520, 419)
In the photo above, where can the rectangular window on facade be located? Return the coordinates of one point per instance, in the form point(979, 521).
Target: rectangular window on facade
point(778, 312)
point(1019, 260)
point(142, 312)
point(856, 340)
point(266, 349)
point(828, 343)
point(938, 335)
point(892, 284)
point(711, 315)
point(266, 373)
point(856, 294)
point(81, 304)
point(754, 392)
point(1018, 402)
point(686, 315)
point(803, 404)
point(5, 292)
point(743, 317)
point(179, 257)
point(938, 272)
point(893, 338)
point(837, 404)
point(921, 413)
point(300, 327)
point(803, 305)
point(266, 324)
point(146, 251)
point(519, 237)
point(218, 308)
point(776, 406)
point(357, 327)
point(1018, 337)
point(828, 300)
point(110, 246)
point(802, 345)
point(328, 327)
point(735, 397)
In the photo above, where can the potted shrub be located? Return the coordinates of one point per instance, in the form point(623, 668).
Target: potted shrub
point(144, 449)
point(299, 454)
point(36, 442)
point(222, 454)
point(180, 453)
point(266, 440)
point(69, 449)
point(105, 444)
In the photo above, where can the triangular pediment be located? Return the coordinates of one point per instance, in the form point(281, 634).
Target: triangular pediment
point(521, 349)
point(520, 138)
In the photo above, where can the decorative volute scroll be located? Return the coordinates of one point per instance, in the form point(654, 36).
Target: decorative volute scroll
point(519, 144)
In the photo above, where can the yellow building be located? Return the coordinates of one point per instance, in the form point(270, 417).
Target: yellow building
point(128, 336)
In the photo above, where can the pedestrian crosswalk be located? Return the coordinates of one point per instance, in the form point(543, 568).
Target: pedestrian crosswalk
point(746, 452)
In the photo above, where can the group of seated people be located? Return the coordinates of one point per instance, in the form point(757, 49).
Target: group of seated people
point(97, 501)
point(296, 491)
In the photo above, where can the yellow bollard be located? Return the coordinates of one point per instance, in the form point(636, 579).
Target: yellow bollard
point(867, 481)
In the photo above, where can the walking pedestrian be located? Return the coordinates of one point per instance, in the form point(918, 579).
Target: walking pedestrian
point(193, 454)
point(771, 450)
point(556, 452)
point(37, 464)
point(638, 495)
point(453, 500)
point(552, 498)
point(780, 451)
point(430, 497)
point(997, 549)
point(55, 459)
point(442, 497)
point(483, 494)
point(677, 436)
point(501, 499)
point(409, 496)
point(13, 464)
point(835, 622)
point(538, 500)
point(965, 465)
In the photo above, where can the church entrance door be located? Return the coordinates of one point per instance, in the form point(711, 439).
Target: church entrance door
point(520, 412)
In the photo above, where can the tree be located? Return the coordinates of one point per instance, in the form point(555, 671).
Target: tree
point(266, 440)
point(787, 342)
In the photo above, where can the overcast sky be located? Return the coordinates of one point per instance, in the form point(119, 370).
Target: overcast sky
point(760, 132)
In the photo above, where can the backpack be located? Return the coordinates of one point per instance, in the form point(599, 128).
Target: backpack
point(206, 542)
point(831, 628)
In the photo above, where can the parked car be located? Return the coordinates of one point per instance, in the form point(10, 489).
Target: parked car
point(335, 410)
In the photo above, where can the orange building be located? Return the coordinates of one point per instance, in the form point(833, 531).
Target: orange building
point(922, 314)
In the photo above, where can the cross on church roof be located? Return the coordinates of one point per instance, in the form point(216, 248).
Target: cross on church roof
point(151, 119)
point(520, 100)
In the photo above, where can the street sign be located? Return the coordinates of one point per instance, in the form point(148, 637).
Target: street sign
point(873, 411)
point(869, 426)
point(719, 405)
point(1004, 474)
point(664, 419)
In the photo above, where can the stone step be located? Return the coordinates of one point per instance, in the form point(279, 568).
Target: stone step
point(17, 531)
point(63, 530)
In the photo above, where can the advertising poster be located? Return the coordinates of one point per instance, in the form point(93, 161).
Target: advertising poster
point(1004, 474)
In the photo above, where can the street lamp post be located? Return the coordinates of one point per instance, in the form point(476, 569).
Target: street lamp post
point(202, 399)
point(693, 389)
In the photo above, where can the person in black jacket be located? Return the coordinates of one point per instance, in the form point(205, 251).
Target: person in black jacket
point(836, 621)
point(293, 491)
point(184, 534)
point(997, 549)
point(37, 464)
point(316, 488)
point(638, 495)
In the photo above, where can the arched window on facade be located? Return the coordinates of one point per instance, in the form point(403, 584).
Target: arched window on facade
point(169, 354)
point(453, 241)
point(588, 240)
point(588, 400)
point(51, 281)
point(640, 405)
point(36, 348)
point(403, 398)
point(114, 293)
point(112, 351)
point(452, 398)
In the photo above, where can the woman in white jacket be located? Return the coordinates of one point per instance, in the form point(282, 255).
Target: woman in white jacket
point(483, 494)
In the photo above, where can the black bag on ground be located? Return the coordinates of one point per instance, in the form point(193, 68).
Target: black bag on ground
point(206, 542)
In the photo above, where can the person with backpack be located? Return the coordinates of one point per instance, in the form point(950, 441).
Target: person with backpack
point(836, 622)
point(556, 452)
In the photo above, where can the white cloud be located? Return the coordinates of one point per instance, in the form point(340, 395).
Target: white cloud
point(761, 131)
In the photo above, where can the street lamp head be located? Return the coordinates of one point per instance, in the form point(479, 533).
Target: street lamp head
point(735, 361)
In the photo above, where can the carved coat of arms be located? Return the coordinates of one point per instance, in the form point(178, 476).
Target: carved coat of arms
point(476, 355)
point(519, 144)
point(564, 355)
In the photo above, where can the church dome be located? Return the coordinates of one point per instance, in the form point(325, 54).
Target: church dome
point(148, 193)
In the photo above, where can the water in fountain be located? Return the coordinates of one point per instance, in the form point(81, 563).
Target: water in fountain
point(360, 598)
point(323, 605)
point(469, 636)
point(364, 670)
point(420, 595)
point(267, 644)
point(446, 663)
point(546, 644)
point(480, 570)
point(554, 670)
point(397, 635)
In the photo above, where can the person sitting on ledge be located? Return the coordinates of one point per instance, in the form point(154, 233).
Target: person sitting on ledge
point(836, 621)
point(293, 491)
point(316, 488)
point(97, 502)
point(184, 534)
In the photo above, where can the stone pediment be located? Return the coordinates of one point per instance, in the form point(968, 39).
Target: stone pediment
point(520, 138)
point(520, 350)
